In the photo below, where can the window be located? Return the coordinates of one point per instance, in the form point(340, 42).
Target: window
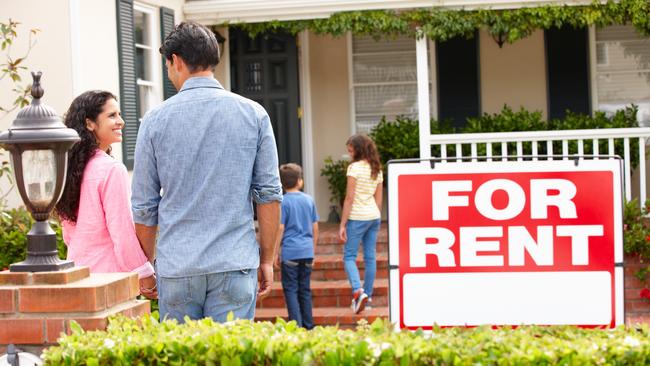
point(147, 67)
point(384, 80)
point(139, 29)
point(624, 76)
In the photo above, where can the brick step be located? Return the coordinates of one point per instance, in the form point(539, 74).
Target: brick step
point(328, 241)
point(327, 294)
point(344, 317)
point(337, 248)
point(329, 267)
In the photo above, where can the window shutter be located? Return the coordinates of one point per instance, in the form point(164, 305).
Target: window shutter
point(128, 88)
point(166, 26)
point(567, 65)
point(458, 80)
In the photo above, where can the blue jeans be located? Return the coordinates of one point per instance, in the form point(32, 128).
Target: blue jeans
point(213, 295)
point(366, 232)
point(297, 290)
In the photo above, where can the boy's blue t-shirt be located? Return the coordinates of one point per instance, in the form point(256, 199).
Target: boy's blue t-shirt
point(298, 216)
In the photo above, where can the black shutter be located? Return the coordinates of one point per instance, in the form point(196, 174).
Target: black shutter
point(458, 80)
point(166, 26)
point(128, 87)
point(567, 65)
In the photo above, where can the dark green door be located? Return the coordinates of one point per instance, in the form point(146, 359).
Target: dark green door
point(265, 69)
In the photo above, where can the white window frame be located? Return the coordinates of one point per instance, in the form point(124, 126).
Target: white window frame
point(433, 98)
point(593, 70)
point(154, 62)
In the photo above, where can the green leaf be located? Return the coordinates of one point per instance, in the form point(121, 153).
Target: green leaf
point(75, 327)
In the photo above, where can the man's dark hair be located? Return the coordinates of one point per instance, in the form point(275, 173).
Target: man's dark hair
point(289, 175)
point(195, 44)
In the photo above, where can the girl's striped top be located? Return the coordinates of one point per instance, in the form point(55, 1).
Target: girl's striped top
point(364, 206)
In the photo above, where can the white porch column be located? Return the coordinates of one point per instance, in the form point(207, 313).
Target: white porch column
point(424, 115)
point(304, 70)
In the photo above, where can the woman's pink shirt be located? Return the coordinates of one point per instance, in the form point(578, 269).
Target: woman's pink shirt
point(103, 238)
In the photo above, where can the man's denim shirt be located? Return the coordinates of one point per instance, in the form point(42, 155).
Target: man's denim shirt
point(201, 157)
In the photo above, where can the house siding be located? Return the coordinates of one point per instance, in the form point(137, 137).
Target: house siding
point(514, 74)
point(330, 108)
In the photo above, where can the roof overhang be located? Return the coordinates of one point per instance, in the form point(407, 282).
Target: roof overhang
point(212, 12)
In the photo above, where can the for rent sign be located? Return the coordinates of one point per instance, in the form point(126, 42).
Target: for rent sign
point(506, 243)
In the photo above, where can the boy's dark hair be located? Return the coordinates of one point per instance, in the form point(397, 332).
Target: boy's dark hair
point(289, 175)
point(194, 43)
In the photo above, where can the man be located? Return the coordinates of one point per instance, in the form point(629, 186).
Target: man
point(201, 157)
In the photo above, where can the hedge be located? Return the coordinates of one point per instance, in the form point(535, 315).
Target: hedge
point(241, 342)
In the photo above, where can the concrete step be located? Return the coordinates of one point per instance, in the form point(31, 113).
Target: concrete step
point(327, 294)
point(344, 317)
point(330, 267)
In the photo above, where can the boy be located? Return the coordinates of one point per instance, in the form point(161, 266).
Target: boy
point(298, 235)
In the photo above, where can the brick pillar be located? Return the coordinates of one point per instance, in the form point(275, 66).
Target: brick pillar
point(637, 309)
point(36, 308)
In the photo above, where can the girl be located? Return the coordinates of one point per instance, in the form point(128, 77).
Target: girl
point(95, 205)
point(361, 216)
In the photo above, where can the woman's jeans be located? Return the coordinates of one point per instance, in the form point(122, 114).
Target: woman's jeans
point(361, 232)
point(296, 285)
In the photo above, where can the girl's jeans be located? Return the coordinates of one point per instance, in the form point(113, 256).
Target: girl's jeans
point(365, 232)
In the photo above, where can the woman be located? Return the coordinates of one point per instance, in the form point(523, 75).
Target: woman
point(95, 205)
point(361, 216)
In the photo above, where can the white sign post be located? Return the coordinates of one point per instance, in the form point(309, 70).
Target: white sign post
point(506, 243)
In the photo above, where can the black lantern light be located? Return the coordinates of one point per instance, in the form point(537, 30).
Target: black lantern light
point(38, 143)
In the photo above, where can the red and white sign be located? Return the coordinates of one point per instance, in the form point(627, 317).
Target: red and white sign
point(505, 243)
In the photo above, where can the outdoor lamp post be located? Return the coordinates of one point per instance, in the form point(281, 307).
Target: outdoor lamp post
point(38, 143)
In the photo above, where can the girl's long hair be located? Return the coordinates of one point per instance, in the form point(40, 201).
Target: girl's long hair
point(87, 105)
point(364, 149)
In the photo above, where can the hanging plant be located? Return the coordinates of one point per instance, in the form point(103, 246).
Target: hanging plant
point(507, 25)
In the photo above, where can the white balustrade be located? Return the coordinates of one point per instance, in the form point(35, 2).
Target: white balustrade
point(574, 144)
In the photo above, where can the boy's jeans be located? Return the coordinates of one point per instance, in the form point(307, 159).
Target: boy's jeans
point(366, 232)
point(213, 295)
point(297, 290)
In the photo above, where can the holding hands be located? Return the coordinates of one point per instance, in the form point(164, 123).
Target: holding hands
point(148, 287)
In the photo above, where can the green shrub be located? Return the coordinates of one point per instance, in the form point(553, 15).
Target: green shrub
point(636, 235)
point(14, 225)
point(400, 139)
point(148, 342)
point(507, 121)
point(336, 174)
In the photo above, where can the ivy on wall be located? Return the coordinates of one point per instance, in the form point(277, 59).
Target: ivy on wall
point(438, 24)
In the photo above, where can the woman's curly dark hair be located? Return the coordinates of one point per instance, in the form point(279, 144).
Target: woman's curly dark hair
point(87, 105)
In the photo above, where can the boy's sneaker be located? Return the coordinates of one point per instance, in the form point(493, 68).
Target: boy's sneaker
point(369, 304)
point(360, 303)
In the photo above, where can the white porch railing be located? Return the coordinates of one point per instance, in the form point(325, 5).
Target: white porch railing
point(540, 144)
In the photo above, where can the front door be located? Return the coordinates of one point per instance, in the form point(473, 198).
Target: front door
point(265, 69)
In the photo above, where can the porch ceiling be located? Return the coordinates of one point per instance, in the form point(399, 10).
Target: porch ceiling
point(212, 12)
